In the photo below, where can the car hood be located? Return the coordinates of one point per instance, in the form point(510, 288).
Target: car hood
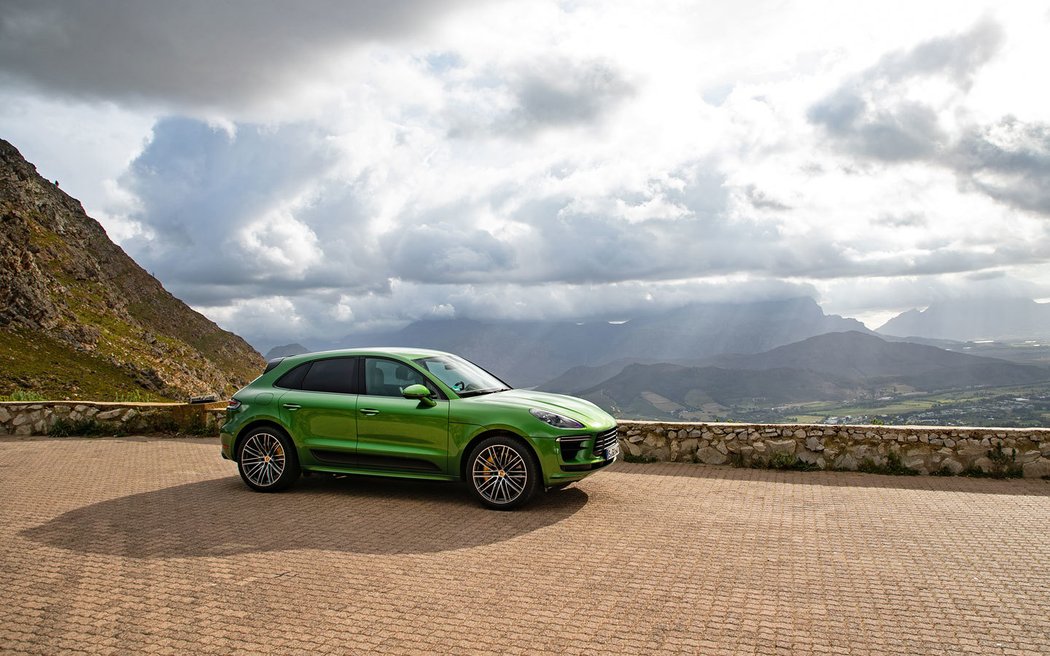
point(583, 411)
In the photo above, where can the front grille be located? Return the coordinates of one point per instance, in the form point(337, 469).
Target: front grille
point(603, 441)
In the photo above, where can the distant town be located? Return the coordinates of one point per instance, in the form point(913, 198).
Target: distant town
point(1017, 407)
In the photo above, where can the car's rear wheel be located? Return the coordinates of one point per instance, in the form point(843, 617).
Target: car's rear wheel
point(502, 472)
point(267, 460)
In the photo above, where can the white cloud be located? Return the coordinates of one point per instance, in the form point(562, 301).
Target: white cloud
point(546, 158)
point(280, 241)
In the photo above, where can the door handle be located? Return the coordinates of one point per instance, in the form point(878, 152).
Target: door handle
point(292, 406)
point(369, 411)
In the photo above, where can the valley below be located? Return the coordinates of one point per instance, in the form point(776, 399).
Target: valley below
point(1025, 406)
point(836, 378)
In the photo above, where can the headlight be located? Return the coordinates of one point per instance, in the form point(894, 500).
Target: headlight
point(555, 420)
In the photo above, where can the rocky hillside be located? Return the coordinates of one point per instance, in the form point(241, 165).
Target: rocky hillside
point(80, 319)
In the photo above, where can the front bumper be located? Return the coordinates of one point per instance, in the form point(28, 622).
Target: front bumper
point(577, 456)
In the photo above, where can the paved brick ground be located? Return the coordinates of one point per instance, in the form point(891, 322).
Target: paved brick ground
point(153, 546)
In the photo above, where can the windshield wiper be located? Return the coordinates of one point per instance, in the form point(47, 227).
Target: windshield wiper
point(479, 392)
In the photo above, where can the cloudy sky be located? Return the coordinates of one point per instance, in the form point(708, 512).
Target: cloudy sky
point(300, 171)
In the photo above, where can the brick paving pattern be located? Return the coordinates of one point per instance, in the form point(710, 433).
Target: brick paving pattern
point(141, 545)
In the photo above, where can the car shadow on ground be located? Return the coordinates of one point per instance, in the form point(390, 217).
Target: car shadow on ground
point(1011, 487)
point(222, 517)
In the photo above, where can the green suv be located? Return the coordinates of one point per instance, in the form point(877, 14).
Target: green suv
point(411, 413)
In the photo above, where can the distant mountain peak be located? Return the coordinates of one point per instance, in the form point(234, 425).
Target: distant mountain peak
point(286, 351)
point(994, 318)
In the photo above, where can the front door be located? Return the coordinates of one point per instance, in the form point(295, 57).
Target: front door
point(395, 433)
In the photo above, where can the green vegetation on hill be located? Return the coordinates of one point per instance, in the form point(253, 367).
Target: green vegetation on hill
point(55, 371)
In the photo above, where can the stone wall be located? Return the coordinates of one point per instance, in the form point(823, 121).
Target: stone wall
point(99, 418)
point(925, 450)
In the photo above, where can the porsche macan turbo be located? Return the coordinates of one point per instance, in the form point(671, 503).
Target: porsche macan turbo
point(411, 413)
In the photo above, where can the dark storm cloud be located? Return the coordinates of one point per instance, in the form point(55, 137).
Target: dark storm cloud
point(446, 253)
point(197, 52)
point(203, 192)
point(1009, 161)
point(192, 176)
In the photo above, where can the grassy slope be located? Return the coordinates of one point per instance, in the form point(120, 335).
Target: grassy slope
point(53, 369)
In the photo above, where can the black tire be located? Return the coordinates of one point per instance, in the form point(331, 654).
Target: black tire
point(272, 462)
point(502, 472)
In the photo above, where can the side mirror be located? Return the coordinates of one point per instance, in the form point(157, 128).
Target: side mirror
point(420, 393)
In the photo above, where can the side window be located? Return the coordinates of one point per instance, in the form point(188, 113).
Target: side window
point(388, 377)
point(294, 378)
point(333, 375)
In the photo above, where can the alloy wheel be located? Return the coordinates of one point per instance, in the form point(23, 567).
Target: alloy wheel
point(263, 459)
point(500, 474)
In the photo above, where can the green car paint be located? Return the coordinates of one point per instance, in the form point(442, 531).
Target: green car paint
point(411, 413)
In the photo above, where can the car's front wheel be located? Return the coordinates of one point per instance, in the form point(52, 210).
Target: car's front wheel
point(267, 460)
point(502, 472)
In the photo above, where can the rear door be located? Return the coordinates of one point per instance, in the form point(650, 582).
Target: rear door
point(395, 433)
point(320, 407)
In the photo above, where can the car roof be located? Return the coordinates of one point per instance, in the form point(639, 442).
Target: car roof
point(410, 353)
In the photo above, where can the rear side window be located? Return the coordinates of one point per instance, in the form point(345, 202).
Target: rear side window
point(334, 375)
point(294, 378)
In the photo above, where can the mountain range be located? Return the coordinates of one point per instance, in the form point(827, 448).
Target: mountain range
point(974, 319)
point(833, 366)
point(80, 319)
point(526, 353)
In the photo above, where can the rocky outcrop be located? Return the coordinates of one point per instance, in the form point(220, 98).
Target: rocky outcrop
point(64, 283)
point(918, 449)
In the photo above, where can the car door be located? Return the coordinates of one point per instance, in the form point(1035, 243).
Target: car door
point(320, 408)
point(395, 433)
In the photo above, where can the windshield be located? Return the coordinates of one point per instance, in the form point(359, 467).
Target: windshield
point(466, 378)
